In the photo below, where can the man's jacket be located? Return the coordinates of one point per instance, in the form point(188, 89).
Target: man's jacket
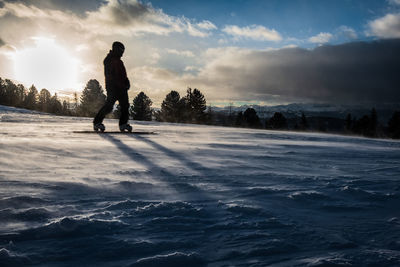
point(115, 73)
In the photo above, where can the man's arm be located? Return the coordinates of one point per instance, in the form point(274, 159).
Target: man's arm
point(119, 75)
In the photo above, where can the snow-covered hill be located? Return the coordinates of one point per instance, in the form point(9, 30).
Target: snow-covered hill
point(193, 195)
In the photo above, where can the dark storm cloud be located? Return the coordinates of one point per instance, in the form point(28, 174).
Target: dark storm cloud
point(127, 12)
point(347, 73)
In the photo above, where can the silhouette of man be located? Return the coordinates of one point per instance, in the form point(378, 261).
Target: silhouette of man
point(117, 86)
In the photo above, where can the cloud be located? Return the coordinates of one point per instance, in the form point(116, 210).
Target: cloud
point(89, 35)
point(254, 32)
point(343, 73)
point(185, 53)
point(347, 32)
point(114, 17)
point(6, 55)
point(129, 18)
point(24, 11)
point(191, 68)
point(321, 38)
point(132, 16)
point(222, 41)
point(290, 46)
point(343, 32)
point(5, 48)
point(394, 2)
point(154, 58)
point(206, 25)
point(154, 81)
point(124, 12)
point(359, 72)
point(75, 6)
point(385, 27)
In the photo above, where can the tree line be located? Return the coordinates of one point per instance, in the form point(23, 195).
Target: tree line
point(17, 95)
point(368, 125)
point(190, 108)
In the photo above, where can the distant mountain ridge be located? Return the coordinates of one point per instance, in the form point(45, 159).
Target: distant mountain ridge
point(317, 110)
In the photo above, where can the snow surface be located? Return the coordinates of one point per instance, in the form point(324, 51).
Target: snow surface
point(193, 195)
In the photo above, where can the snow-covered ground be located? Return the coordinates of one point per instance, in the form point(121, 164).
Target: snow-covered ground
point(193, 195)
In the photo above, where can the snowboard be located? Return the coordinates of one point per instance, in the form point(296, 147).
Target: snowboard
point(113, 132)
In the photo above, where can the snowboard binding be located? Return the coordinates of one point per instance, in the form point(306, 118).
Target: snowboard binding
point(99, 127)
point(125, 128)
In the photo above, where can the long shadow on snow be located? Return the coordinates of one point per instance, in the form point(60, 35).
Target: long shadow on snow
point(164, 175)
point(172, 154)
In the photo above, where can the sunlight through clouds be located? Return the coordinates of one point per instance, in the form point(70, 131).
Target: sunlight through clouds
point(47, 65)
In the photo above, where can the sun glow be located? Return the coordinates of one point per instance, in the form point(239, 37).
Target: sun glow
point(47, 65)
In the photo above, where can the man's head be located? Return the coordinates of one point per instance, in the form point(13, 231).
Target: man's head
point(118, 48)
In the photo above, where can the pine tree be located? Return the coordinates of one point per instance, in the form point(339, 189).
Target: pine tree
point(66, 108)
point(349, 123)
point(195, 106)
point(76, 104)
point(362, 126)
point(199, 106)
point(92, 99)
point(11, 90)
point(2, 91)
point(20, 95)
point(141, 108)
point(44, 100)
point(394, 125)
point(209, 115)
point(185, 114)
point(230, 114)
point(171, 107)
point(187, 106)
point(278, 121)
point(55, 106)
point(303, 122)
point(30, 101)
point(239, 119)
point(367, 125)
point(251, 118)
point(373, 123)
point(11, 94)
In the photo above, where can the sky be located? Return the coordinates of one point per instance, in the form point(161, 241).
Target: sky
point(236, 51)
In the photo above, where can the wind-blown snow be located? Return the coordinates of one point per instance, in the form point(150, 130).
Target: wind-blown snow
point(193, 195)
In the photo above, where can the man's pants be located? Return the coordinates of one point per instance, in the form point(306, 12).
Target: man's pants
point(113, 96)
